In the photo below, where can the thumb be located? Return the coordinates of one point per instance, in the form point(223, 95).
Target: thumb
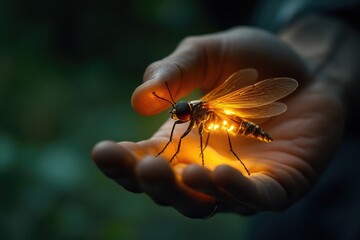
point(183, 71)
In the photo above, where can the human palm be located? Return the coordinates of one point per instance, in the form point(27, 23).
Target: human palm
point(281, 171)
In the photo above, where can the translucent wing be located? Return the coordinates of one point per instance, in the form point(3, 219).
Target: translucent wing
point(238, 80)
point(266, 111)
point(256, 95)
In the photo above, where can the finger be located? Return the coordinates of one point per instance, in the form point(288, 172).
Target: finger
point(156, 177)
point(183, 70)
point(117, 163)
point(230, 180)
point(160, 183)
point(238, 189)
point(200, 179)
point(250, 194)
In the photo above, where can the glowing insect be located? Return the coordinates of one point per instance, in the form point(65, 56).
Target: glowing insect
point(228, 107)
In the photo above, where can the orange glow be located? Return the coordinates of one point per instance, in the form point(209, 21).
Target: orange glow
point(229, 112)
point(225, 126)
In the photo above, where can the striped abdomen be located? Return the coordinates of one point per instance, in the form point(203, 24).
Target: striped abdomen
point(235, 125)
point(250, 129)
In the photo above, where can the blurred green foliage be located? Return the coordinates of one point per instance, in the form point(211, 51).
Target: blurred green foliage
point(67, 72)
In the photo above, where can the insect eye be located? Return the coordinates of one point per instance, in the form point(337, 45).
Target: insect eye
point(182, 110)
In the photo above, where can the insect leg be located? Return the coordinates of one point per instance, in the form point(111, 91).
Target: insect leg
point(170, 139)
point(207, 140)
point(191, 125)
point(201, 144)
point(213, 118)
point(233, 152)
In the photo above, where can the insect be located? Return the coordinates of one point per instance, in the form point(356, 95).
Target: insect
point(229, 107)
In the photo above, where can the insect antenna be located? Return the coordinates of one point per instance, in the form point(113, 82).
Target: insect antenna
point(172, 102)
point(167, 86)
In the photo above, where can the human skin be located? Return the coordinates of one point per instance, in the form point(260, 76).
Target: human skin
point(305, 136)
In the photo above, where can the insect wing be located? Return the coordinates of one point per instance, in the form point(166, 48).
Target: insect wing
point(256, 95)
point(238, 80)
point(266, 111)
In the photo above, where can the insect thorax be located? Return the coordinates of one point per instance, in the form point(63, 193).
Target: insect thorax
point(200, 113)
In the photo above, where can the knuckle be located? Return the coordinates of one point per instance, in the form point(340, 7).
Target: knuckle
point(151, 70)
point(192, 41)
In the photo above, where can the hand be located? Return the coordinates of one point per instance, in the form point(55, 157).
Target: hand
point(281, 171)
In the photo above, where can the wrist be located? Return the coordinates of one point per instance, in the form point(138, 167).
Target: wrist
point(330, 49)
